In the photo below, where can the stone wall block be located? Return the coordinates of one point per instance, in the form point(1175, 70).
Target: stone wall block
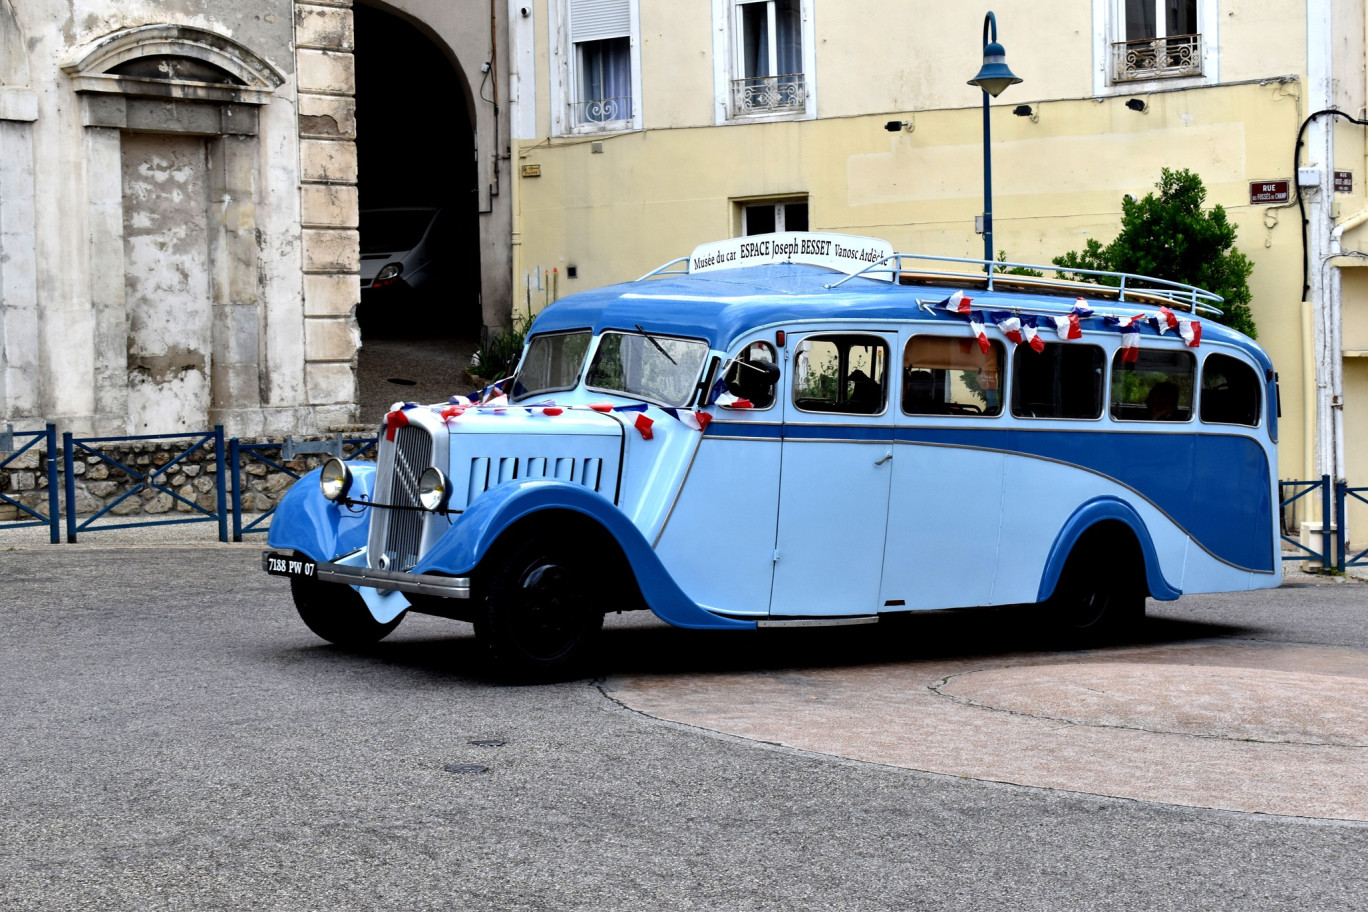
point(331, 295)
point(329, 339)
point(331, 250)
point(330, 383)
point(327, 28)
point(329, 205)
point(326, 72)
point(327, 117)
point(328, 161)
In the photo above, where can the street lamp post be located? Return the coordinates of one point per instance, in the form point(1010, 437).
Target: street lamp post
point(992, 78)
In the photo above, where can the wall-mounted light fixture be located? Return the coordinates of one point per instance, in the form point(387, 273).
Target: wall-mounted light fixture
point(1027, 111)
point(900, 126)
point(1137, 104)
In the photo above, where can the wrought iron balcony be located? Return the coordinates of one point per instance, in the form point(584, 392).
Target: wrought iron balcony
point(1157, 58)
point(603, 110)
point(769, 94)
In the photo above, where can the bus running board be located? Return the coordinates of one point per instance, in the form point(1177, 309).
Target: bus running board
point(820, 622)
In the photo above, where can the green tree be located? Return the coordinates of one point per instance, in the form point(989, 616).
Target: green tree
point(1170, 236)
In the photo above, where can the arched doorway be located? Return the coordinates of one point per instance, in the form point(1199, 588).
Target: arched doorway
point(420, 311)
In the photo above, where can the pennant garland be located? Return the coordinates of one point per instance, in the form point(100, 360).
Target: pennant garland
point(976, 327)
point(1165, 321)
point(1069, 326)
point(643, 424)
point(395, 418)
point(1030, 331)
point(1191, 332)
point(1081, 308)
point(1009, 323)
point(956, 303)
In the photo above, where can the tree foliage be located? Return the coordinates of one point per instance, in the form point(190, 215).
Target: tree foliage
point(1170, 236)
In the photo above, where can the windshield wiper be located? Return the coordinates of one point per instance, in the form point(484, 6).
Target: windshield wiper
point(660, 348)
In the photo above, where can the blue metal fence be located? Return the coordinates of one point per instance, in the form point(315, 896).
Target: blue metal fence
point(1291, 491)
point(151, 479)
point(1342, 493)
point(286, 451)
point(9, 439)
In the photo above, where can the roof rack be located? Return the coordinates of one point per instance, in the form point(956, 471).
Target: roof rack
point(1153, 291)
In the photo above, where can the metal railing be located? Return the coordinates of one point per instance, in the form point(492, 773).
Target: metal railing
point(1157, 58)
point(9, 439)
point(1342, 494)
point(603, 110)
point(1289, 492)
point(769, 94)
point(146, 481)
point(287, 450)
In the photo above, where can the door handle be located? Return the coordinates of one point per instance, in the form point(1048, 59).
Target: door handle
point(887, 457)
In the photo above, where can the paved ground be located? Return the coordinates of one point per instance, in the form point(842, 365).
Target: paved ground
point(175, 739)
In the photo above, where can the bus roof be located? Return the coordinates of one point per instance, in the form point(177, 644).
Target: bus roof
point(722, 305)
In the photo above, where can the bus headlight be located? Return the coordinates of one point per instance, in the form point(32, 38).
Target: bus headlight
point(433, 489)
point(336, 479)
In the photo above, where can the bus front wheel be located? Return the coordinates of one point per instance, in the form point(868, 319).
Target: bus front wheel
point(337, 613)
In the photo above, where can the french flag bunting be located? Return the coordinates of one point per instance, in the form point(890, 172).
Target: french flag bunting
point(1165, 321)
point(719, 389)
point(461, 401)
point(1191, 331)
point(639, 407)
point(643, 424)
point(1068, 326)
point(727, 400)
point(1081, 309)
point(1009, 323)
point(980, 333)
point(601, 406)
point(957, 303)
point(395, 418)
point(1130, 341)
point(453, 411)
point(1030, 333)
point(690, 418)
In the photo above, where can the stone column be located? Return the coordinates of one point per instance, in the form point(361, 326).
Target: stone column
point(18, 279)
point(324, 39)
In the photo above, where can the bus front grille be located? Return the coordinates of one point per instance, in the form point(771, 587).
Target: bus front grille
point(396, 535)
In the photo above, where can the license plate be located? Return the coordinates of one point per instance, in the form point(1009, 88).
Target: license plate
point(289, 565)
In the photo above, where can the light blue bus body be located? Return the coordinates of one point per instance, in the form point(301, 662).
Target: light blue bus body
point(779, 513)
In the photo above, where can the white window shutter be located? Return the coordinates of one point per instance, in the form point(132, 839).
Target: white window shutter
point(591, 20)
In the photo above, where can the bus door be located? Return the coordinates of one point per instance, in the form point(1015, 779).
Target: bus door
point(834, 475)
point(946, 502)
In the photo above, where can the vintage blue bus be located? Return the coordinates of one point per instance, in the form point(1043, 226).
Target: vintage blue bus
point(809, 429)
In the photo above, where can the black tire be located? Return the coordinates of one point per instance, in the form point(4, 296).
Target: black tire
point(541, 617)
point(1093, 603)
point(337, 613)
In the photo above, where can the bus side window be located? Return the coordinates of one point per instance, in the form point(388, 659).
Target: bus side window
point(951, 376)
point(1157, 386)
point(1063, 381)
point(1230, 392)
point(841, 373)
point(751, 376)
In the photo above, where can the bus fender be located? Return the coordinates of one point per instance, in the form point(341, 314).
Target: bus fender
point(1085, 517)
point(307, 522)
point(476, 530)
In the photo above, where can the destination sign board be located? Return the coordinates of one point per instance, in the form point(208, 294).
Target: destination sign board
point(846, 253)
point(1269, 191)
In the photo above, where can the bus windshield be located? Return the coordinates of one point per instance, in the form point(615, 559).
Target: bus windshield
point(662, 369)
point(553, 362)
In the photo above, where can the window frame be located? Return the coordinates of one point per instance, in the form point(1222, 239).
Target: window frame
point(1110, 17)
point(1260, 406)
point(1193, 380)
point(780, 205)
point(876, 340)
point(591, 358)
point(579, 376)
point(727, 65)
point(565, 75)
point(1004, 384)
point(775, 393)
point(1015, 375)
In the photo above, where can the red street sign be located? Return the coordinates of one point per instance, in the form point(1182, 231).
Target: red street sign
point(1344, 181)
point(1274, 191)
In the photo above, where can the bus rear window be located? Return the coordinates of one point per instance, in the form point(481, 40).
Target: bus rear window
point(1063, 381)
point(1230, 392)
point(1157, 386)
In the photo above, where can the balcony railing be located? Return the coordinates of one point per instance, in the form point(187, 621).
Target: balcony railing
point(603, 110)
point(769, 94)
point(1157, 58)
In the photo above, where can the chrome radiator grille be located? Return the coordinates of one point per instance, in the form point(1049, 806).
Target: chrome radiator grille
point(396, 535)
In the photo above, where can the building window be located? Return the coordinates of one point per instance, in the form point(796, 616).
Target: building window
point(597, 86)
point(771, 215)
point(765, 58)
point(1159, 39)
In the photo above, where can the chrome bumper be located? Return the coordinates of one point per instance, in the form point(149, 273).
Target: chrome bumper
point(389, 580)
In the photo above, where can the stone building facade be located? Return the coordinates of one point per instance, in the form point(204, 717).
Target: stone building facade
point(179, 207)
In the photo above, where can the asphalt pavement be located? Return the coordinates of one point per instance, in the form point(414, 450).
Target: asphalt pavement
point(174, 738)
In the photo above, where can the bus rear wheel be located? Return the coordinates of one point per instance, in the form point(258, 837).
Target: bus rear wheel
point(539, 620)
point(1091, 606)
